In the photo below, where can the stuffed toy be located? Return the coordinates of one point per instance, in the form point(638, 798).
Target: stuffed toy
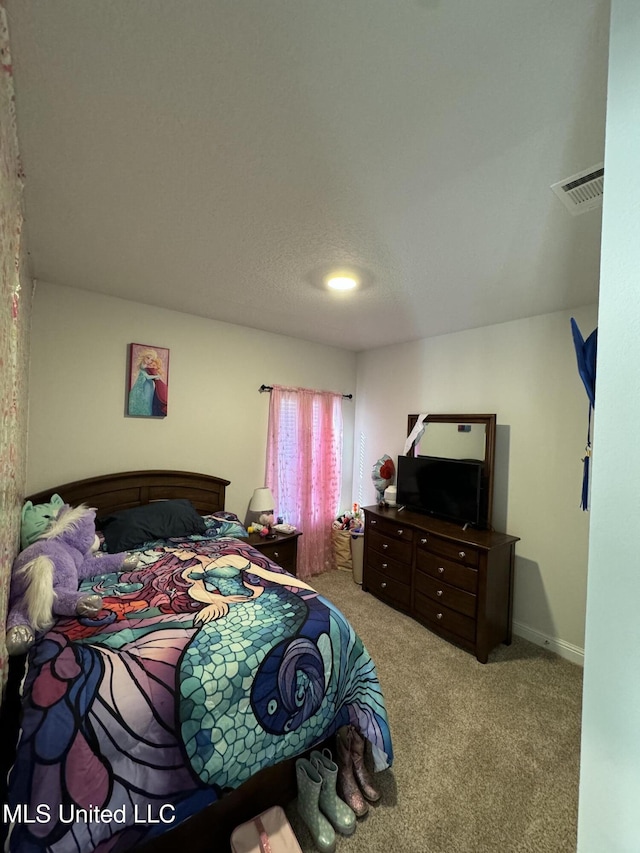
point(263, 525)
point(45, 576)
point(37, 518)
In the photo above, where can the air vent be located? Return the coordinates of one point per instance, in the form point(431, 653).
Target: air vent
point(583, 191)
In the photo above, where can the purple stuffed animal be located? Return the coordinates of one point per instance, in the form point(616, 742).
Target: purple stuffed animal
point(45, 576)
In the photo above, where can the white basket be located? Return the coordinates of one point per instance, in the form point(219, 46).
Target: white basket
point(357, 555)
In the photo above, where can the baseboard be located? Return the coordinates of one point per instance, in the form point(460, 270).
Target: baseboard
point(565, 650)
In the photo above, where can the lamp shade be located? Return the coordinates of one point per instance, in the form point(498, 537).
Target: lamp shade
point(262, 500)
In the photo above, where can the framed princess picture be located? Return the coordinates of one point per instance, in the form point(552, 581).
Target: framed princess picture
point(148, 381)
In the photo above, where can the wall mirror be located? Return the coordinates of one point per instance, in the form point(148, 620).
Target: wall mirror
point(461, 437)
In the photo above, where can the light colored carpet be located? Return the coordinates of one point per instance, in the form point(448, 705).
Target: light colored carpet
point(486, 756)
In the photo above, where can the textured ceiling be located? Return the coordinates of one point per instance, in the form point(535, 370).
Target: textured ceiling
point(216, 156)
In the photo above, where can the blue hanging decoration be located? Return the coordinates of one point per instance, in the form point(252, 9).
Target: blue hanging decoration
point(584, 502)
point(586, 354)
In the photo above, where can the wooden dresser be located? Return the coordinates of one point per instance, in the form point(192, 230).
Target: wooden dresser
point(459, 583)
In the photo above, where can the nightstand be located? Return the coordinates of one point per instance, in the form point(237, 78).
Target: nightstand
point(283, 550)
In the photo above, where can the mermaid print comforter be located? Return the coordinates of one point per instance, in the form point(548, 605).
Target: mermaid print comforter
point(207, 663)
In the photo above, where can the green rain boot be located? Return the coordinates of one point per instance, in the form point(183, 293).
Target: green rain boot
point(341, 817)
point(309, 789)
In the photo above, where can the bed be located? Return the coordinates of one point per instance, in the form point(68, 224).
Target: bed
point(170, 717)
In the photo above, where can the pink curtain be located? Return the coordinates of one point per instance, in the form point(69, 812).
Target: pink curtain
point(304, 468)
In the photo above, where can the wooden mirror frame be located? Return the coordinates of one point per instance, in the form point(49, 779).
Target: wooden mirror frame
point(489, 422)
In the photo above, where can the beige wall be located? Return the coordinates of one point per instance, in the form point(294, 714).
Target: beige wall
point(526, 373)
point(217, 419)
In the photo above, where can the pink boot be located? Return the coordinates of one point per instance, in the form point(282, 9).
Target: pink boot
point(361, 773)
point(347, 786)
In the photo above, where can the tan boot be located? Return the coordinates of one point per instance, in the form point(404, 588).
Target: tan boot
point(346, 786)
point(360, 770)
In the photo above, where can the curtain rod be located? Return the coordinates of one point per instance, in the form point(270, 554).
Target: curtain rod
point(264, 388)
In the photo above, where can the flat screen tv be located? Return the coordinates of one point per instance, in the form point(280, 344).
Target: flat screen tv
point(441, 487)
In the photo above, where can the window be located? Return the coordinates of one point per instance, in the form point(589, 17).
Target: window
point(304, 468)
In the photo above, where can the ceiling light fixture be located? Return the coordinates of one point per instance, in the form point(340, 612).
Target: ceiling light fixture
point(342, 281)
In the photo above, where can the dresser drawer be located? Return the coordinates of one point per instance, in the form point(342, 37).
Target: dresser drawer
point(386, 566)
point(282, 553)
point(443, 618)
point(391, 528)
point(387, 588)
point(454, 574)
point(449, 596)
point(394, 548)
point(452, 551)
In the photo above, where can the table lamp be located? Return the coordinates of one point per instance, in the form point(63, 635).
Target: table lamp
point(262, 502)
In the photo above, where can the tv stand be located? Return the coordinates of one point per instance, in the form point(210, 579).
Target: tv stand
point(459, 583)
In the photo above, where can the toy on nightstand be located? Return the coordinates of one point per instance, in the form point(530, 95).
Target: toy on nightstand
point(45, 575)
point(263, 525)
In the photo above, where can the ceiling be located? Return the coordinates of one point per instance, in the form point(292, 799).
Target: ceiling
point(216, 157)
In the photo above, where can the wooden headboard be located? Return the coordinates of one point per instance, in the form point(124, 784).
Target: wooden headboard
point(126, 489)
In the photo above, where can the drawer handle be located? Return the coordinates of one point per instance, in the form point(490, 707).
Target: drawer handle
point(441, 569)
point(385, 546)
point(439, 592)
point(276, 554)
point(383, 584)
point(438, 615)
point(400, 532)
point(385, 565)
point(461, 554)
point(423, 541)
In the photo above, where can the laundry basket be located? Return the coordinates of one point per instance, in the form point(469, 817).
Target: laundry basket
point(346, 528)
point(341, 550)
